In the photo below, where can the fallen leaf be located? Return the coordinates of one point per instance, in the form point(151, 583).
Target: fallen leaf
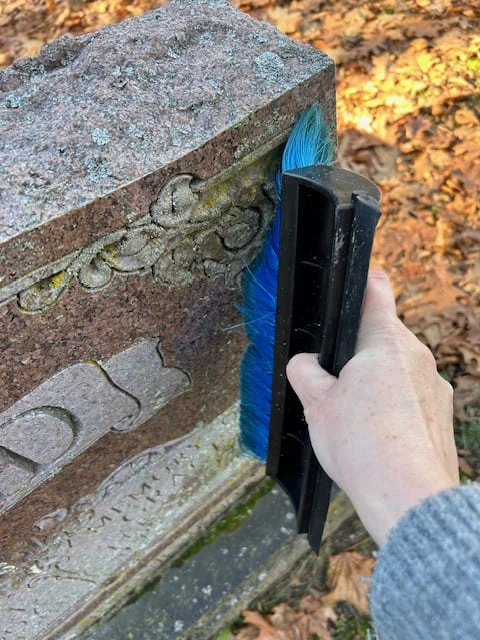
point(466, 116)
point(465, 467)
point(265, 630)
point(348, 579)
point(286, 20)
point(310, 620)
point(282, 615)
point(466, 394)
point(315, 616)
point(367, 155)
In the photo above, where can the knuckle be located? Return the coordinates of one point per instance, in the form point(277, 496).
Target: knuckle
point(293, 363)
point(293, 368)
point(426, 356)
point(446, 387)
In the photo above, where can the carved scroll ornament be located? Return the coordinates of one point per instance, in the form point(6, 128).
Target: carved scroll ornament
point(213, 227)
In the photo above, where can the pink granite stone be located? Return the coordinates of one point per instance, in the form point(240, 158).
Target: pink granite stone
point(136, 170)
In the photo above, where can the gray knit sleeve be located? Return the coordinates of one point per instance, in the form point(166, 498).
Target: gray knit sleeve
point(426, 582)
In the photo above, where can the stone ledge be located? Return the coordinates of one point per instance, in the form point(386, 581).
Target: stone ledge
point(203, 593)
point(112, 542)
point(133, 529)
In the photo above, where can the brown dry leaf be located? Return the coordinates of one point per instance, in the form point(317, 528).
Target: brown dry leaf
point(314, 617)
point(311, 620)
point(471, 356)
point(465, 467)
point(467, 394)
point(445, 236)
point(282, 616)
point(367, 155)
point(435, 294)
point(348, 579)
point(354, 21)
point(62, 18)
point(469, 282)
point(261, 627)
point(418, 27)
point(284, 19)
point(466, 116)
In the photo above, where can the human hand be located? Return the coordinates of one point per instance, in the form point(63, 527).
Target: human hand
point(383, 430)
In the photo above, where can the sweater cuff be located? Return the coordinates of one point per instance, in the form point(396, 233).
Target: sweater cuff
point(426, 582)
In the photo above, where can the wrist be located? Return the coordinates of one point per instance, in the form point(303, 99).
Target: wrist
point(381, 511)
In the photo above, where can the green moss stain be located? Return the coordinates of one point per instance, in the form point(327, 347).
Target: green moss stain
point(350, 626)
point(230, 522)
point(217, 197)
point(43, 293)
point(110, 252)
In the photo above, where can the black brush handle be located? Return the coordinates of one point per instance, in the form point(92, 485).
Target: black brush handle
point(339, 346)
point(327, 227)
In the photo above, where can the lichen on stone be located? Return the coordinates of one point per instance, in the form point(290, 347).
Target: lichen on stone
point(100, 136)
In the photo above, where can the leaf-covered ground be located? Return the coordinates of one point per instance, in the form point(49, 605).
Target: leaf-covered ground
point(408, 95)
point(317, 613)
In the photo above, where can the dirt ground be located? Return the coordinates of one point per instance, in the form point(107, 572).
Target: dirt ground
point(408, 96)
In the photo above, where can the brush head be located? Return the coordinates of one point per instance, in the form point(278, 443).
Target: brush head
point(309, 143)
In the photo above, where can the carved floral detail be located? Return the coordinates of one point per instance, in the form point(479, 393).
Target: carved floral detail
point(213, 227)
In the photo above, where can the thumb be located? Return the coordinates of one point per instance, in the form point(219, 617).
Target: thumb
point(379, 312)
point(308, 379)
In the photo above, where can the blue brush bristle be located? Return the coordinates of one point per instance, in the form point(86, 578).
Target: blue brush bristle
point(309, 143)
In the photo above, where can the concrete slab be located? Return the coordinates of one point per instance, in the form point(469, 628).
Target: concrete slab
point(187, 599)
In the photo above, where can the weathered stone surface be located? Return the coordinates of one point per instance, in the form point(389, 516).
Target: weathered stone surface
point(230, 572)
point(136, 171)
point(189, 88)
point(139, 369)
point(136, 184)
point(212, 226)
point(89, 329)
point(145, 511)
point(69, 411)
point(90, 558)
point(199, 598)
